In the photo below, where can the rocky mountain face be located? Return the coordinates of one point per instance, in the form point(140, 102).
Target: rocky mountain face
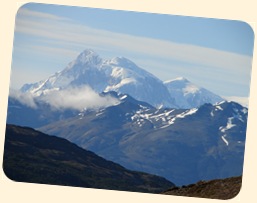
point(182, 145)
point(31, 156)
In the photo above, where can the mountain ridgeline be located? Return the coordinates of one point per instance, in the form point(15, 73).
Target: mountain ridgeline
point(183, 146)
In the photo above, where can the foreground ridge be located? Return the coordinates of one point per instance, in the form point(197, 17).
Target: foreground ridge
point(31, 156)
point(215, 189)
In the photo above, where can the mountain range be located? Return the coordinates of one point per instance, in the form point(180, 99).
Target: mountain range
point(123, 76)
point(173, 129)
point(182, 145)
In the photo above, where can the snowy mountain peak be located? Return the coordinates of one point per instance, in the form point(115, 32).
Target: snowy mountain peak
point(189, 95)
point(123, 76)
point(88, 56)
point(117, 74)
point(119, 63)
point(182, 85)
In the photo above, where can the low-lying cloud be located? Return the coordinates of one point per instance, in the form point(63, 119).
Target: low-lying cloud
point(25, 98)
point(77, 98)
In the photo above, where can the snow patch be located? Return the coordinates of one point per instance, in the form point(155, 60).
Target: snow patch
point(123, 82)
point(224, 139)
point(190, 112)
point(219, 108)
point(229, 125)
point(123, 97)
point(245, 110)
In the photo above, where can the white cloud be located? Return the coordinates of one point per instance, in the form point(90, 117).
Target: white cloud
point(77, 98)
point(26, 99)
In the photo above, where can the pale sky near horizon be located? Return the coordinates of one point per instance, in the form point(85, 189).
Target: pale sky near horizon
point(212, 53)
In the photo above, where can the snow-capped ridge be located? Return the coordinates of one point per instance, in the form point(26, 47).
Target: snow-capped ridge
point(117, 74)
point(120, 61)
point(122, 75)
point(189, 95)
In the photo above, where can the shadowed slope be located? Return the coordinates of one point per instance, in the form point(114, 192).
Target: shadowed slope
point(31, 156)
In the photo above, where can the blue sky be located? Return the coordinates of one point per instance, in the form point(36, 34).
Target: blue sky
point(212, 53)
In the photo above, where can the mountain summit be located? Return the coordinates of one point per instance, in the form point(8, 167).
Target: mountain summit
point(117, 74)
point(189, 95)
point(88, 57)
point(123, 76)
